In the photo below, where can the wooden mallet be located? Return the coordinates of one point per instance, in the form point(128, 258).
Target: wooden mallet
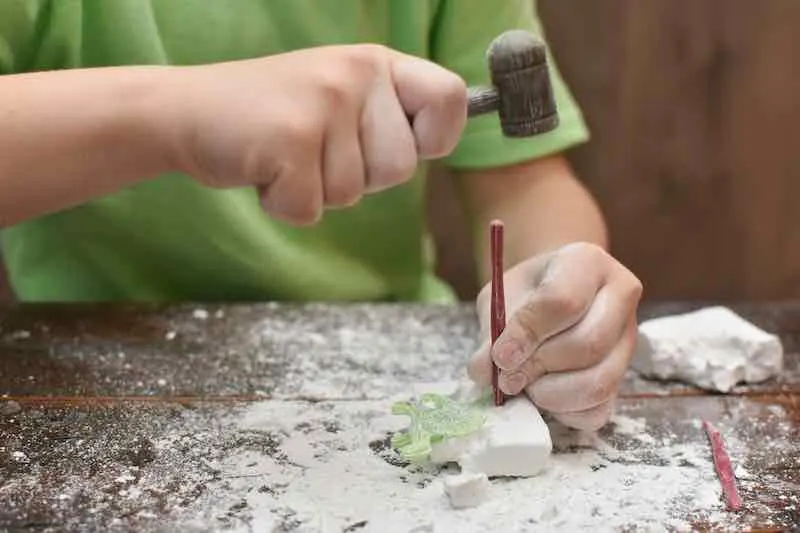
point(521, 92)
point(522, 96)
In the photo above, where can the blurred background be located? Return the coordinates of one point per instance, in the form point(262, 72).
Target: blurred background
point(694, 107)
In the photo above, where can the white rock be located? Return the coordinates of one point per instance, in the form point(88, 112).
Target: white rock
point(20, 457)
point(467, 490)
point(515, 442)
point(712, 348)
point(453, 449)
point(200, 314)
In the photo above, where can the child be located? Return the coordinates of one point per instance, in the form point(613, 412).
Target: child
point(262, 149)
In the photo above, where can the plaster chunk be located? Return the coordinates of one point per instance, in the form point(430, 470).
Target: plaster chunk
point(467, 490)
point(515, 442)
point(712, 348)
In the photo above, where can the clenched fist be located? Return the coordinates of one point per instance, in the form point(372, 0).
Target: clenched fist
point(313, 128)
point(570, 335)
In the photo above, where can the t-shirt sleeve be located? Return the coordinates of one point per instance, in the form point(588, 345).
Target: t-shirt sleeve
point(19, 21)
point(461, 33)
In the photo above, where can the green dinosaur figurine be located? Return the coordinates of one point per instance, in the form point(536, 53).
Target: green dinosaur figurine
point(434, 418)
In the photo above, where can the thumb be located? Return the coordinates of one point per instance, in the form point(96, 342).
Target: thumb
point(479, 367)
point(435, 99)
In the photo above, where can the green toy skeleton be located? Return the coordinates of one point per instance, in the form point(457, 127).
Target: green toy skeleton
point(434, 418)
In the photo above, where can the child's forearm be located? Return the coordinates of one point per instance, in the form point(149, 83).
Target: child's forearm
point(541, 202)
point(310, 129)
point(70, 136)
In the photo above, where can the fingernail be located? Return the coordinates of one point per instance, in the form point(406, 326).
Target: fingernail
point(513, 383)
point(508, 354)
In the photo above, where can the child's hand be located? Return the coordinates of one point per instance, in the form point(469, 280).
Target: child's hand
point(314, 128)
point(570, 335)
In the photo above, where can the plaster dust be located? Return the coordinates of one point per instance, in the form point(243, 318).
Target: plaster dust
point(329, 481)
point(289, 464)
point(327, 466)
point(332, 366)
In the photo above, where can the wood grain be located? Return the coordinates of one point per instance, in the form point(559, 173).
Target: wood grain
point(128, 414)
point(694, 109)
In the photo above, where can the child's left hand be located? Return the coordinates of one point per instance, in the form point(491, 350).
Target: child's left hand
point(570, 335)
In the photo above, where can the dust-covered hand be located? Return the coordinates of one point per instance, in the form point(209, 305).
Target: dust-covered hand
point(570, 333)
point(313, 128)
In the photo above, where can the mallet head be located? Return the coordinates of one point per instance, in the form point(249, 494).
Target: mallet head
point(525, 102)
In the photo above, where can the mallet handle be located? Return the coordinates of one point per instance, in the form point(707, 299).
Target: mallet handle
point(481, 100)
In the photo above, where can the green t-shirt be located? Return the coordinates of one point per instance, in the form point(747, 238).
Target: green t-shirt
point(172, 239)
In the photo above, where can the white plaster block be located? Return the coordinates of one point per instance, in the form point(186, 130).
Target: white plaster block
point(712, 348)
point(515, 442)
point(467, 490)
point(453, 449)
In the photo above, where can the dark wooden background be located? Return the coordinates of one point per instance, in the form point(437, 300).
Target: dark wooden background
point(695, 111)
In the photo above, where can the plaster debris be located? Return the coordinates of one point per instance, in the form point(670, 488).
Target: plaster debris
point(20, 457)
point(467, 490)
point(632, 427)
point(315, 454)
point(516, 442)
point(200, 314)
point(628, 426)
point(328, 466)
point(19, 335)
point(712, 348)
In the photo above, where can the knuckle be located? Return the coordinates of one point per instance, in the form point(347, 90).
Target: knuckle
point(335, 90)
point(629, 288)
point(363, 61)
point(588, 251)
point(453, 94)
point(635, 288)
point(595, 346)
point(456, 89)
point(299, 132)
point(369, 54)
point(559, 300)
point(341, 83)
point(527, 318)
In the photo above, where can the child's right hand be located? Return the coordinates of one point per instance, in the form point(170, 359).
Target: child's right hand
point(310, 129)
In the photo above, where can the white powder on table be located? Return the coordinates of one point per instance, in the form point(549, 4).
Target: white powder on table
point(334, 480)
point(317, 467)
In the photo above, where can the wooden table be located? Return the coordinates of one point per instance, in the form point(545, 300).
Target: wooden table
point(152, 418)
